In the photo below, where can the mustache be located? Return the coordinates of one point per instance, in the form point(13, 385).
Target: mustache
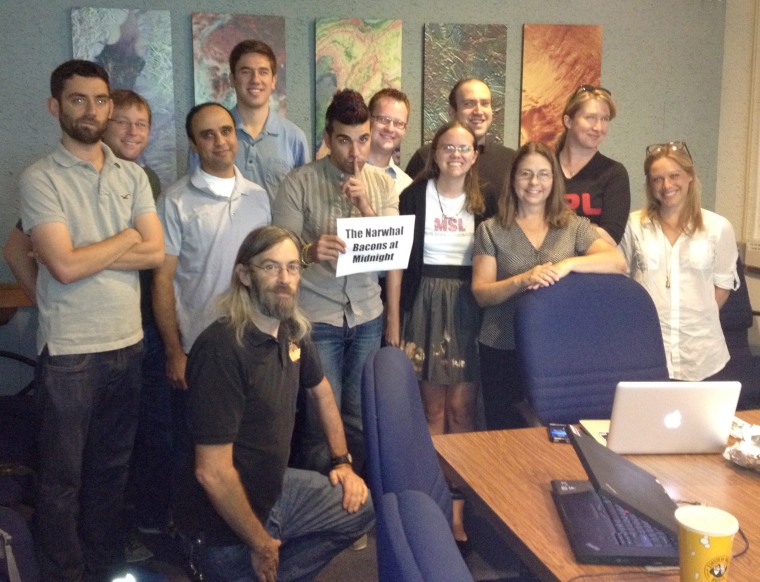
point(284, 288)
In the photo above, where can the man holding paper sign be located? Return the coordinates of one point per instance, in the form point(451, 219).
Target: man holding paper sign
point(346, 311)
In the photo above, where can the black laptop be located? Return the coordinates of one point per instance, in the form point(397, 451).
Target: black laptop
point(622, 515)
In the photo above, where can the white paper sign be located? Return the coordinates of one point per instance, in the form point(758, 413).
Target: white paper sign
point(377, 243)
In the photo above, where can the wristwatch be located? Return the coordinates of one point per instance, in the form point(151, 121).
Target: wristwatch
point(346, 459)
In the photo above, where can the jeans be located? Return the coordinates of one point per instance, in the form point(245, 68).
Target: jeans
point(310, 521)
point(152, 461)
point(343, 352)
point(88, 407)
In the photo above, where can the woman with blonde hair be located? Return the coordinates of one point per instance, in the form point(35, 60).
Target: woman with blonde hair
point(596, 186)
point(685, 257)
point(534, 241)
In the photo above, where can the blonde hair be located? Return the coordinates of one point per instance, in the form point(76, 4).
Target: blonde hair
point(577, 100)
point(690, 219)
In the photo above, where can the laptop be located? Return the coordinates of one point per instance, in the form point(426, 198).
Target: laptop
point(668, 417)
point(621, 516)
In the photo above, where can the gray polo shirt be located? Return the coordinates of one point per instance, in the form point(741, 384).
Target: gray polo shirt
point(101, 312)
point(308, 203)
point(205, 231)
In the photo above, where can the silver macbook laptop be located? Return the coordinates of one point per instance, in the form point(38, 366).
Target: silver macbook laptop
point(670, 417)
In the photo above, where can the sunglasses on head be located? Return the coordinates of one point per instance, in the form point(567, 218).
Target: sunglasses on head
point(591, 89)
point(671, 146)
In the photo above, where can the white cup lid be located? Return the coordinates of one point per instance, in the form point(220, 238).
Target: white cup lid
point(707, 520)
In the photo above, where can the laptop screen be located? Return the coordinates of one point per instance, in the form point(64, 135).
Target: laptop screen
point(619, 479)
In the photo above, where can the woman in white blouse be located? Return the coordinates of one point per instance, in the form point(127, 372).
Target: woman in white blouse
point(685, 257)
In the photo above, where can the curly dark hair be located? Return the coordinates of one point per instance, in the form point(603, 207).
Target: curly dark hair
point(348, 108)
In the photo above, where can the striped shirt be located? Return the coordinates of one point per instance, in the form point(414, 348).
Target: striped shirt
point(308, 203)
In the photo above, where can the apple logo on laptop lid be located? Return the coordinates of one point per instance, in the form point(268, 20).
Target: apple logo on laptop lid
point(673, 419)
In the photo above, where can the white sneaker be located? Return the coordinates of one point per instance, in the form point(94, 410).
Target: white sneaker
point(360, 543)
point(135, 551)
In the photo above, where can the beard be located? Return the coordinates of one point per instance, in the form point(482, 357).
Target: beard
point(84, 134)
point(271, 302)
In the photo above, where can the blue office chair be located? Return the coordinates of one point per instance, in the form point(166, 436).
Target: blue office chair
point(400, 453)
point(414, 541)
point(736, 318)
point(578, 338)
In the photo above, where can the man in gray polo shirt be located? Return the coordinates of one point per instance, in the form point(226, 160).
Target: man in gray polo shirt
point(206, 215)
point(346, 311)
point(93, 225)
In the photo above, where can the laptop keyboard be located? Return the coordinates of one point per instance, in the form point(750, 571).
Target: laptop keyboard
point(631, 530)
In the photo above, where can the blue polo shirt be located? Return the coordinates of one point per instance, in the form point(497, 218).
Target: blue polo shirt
point(268, 158)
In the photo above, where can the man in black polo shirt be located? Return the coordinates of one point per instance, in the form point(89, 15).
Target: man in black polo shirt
point(470, 105)
point(258, 519)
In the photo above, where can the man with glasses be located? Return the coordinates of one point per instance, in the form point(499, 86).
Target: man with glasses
point(470, 104)
point(205, 215)
point(256, 519)
point(346, 311)
point(129, 129)
point(389, 114)
point(270, 146)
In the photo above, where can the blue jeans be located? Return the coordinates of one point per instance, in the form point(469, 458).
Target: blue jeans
point(343, 352)
point(310, 521)
point(88, 407)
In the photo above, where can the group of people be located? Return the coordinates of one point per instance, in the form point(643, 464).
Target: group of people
point(218, 297)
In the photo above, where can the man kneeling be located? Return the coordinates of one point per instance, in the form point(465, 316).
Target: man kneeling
point(255, 518)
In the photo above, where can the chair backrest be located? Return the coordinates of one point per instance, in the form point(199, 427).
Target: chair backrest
point(736, 317)
point(400, 453)
point(414, 541)
point(578, 338)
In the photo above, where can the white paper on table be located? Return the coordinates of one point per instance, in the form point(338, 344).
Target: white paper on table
point(377, 243)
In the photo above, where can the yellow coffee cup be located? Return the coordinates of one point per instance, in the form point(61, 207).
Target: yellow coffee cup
point(705, 538)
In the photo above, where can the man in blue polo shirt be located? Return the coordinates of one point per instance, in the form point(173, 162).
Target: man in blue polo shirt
point(269, 145)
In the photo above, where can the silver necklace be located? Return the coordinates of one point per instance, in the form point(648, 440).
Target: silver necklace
point(440, 204)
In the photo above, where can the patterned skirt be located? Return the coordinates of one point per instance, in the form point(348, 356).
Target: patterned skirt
point(439, 333)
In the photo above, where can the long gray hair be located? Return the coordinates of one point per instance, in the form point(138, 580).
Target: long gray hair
point(237, 304)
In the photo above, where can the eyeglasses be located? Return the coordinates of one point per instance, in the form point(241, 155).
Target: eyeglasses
point(274, 269)
point(671, 146)
point(385, 120)
point(126, 123)
point(591, 89)
point(542, 176)
point(450, 148)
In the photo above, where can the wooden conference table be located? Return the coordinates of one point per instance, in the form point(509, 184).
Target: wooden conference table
point(508, 475)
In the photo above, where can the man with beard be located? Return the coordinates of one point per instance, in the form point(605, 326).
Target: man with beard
point(93, 225)
point(206, 215)
point(470, 104)
point(256, 518)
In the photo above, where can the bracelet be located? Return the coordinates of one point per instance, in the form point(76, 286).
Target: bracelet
point(305, 261)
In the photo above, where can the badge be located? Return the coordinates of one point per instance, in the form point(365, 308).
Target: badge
point(294, 352)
